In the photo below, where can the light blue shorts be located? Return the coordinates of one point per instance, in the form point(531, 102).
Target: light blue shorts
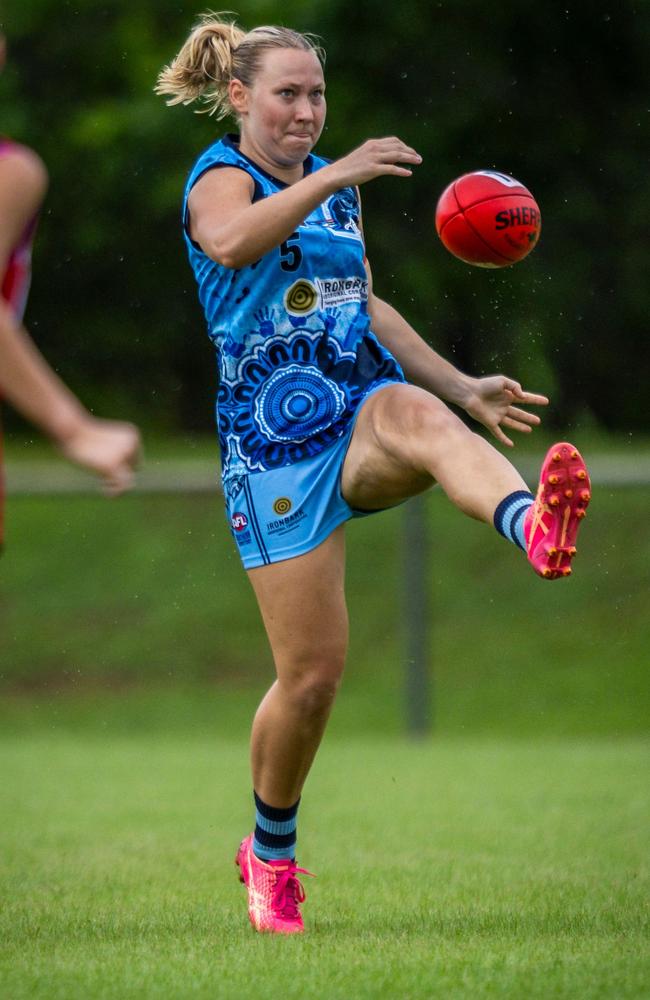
point(286, 512)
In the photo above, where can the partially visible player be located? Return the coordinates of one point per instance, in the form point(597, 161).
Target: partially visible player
point(108, 448)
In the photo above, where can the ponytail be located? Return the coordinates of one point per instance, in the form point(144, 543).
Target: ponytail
point(203, 68)
point(217, 52)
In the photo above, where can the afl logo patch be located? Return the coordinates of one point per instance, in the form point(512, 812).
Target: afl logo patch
point(301, 298)
point(282, 506)
point(239, 522)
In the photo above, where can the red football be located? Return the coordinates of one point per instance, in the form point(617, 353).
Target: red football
point(488, 219)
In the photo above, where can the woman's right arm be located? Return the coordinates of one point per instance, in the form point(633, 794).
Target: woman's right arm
point(234, 231)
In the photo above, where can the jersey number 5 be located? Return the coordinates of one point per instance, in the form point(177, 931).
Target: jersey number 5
point(290, 254)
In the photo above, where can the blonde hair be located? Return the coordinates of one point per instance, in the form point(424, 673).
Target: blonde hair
point(218, 51)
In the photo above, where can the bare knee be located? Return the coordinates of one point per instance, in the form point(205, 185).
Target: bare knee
point(312, 682)
point(424, 413)
point(315, 695)
point(414, 417)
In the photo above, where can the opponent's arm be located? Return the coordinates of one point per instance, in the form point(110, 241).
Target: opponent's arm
point(491, 401)
point(30, 385)
point(234, 231)
point(27, 381)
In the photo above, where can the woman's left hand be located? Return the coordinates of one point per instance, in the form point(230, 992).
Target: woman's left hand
point(494, 402)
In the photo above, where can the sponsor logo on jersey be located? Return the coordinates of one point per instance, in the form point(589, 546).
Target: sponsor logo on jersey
point(283, 525)
point(338, 291)
point(301, 298)
point(282, 506)
point(239, 521)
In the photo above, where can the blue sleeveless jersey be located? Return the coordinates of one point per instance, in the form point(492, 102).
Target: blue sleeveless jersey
point(292, 331)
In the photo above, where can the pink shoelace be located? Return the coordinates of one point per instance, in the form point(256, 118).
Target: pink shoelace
point(289, 892)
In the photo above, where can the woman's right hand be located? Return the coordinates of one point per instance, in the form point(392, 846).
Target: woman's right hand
point(375, 158)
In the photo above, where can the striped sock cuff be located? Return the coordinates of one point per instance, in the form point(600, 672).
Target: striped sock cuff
point(275, 830)
point(509, 516)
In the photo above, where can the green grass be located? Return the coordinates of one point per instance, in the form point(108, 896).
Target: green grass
point(505, 858)
point(462, 868)
point(146, 596)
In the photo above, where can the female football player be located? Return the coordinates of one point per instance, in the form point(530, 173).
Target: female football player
point(330, 406)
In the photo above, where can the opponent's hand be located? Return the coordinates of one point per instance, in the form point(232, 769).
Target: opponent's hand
point(109, 448)
point(493, 402)
point(375, 158)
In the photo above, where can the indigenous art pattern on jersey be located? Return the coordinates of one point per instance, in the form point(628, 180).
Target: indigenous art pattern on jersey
point(295, 350)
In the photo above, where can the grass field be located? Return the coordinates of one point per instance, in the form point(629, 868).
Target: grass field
point(469, 869)
point(146, 597)
point(506, 856)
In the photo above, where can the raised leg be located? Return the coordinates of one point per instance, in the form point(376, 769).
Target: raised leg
point(405, 439)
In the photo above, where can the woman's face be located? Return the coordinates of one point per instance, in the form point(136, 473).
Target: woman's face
point(282, 114)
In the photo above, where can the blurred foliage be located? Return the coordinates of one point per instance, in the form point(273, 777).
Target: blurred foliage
point(555, 95)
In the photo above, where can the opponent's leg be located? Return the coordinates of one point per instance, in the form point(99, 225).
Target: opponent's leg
point(302, 603)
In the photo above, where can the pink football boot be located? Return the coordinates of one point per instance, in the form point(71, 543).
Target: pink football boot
point(552, 522)
point(274, 892)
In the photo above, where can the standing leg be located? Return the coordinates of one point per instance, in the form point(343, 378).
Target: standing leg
point(302, 603)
